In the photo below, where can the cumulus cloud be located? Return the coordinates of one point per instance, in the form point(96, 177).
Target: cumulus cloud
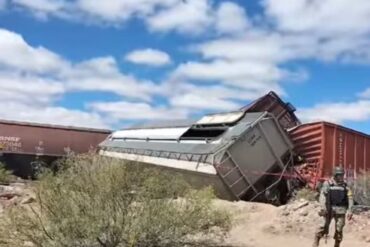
point(92, 11)
point(51, 115)
point(323, 18)
point(149, 57)
point(29, 90)
point(244, 65)
point(231, 18)
point(124, 110)
point(121, 10)
point(41, 6)
point(338, 30)
point(33, 80)
point(103, 74)
point(159, 15)
point(337, 112)
point(16, 54)
point(191, 16)
point(197, 101)
point(97, 74)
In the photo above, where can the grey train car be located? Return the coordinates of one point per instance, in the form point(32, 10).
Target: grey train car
point(244, 156)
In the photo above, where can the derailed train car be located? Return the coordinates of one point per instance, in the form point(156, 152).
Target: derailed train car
point(271, 102)
point(324, 145)
point(243, 155)
point(26, 146)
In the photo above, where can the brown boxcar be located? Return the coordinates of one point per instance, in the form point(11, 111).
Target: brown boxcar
point(272, 103)
point(21, 143)
point(324, 145)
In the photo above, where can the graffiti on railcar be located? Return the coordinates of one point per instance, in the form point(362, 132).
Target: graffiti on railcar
point(10, 144)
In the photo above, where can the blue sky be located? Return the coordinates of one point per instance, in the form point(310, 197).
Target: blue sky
point(113, 63)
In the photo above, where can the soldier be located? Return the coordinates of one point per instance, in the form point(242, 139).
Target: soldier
point(336, 201)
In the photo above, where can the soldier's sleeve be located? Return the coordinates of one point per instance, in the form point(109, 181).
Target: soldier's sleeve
point(350, 199)
point(323, 194)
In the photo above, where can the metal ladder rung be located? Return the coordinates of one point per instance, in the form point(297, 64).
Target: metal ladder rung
point(229, 172)
point(241, 193)
point(237, 181)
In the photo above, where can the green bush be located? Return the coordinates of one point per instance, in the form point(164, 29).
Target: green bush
point(6, 176)
point(362, 189)
point(98, 201)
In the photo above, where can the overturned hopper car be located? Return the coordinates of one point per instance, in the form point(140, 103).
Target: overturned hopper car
point(244, 156)
point(26, 146)
point(271, 102)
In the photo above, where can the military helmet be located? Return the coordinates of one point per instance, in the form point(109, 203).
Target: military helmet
point(338, 170)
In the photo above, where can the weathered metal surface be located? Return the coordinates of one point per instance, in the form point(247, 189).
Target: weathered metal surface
point(47, 140)
point(324, 145)
point(272, 103)
point(25, 146)
point(240, 155)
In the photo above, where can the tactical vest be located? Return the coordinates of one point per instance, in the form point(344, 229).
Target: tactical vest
point(338, 195)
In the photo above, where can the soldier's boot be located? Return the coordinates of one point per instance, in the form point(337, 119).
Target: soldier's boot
point(337, 243)
point(316, 241)
point(338, 238)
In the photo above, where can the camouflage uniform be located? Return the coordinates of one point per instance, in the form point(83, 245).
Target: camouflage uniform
point(336, 200)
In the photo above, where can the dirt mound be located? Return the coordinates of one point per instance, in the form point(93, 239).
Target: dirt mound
point(262, 225)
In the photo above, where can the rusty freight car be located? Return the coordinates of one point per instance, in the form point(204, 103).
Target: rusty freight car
point(324, 145)
point(271, 102)
point(22, 144)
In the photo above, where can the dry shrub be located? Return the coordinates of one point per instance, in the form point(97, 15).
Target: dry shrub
point(6, 176)
point(306, 194)
point(97, 201)
point(362, 189)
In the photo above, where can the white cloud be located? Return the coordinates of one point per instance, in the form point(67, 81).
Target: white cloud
point(33, 80)
point(149, 56)
point(15, 53)
point(28, 90)
point(197, 101)
point(231, 18)
point(51, 115)
point(183, 16)
point(332, 30)
point(121, 10)
point(244, 74)
point(123, 110)
point(324, 18)
point(365, 94)
point(190, 16)
point(102, 74)
point(3, 4)
point(92, 11)
point(337, 112)
point(44, 6)
point(97, 74)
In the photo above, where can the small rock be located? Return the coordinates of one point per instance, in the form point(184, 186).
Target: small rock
point(28, 244)
point(303, 213)
point(270, 229)
point(285, 213)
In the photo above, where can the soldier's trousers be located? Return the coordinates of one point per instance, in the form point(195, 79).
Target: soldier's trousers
point(340, 221)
